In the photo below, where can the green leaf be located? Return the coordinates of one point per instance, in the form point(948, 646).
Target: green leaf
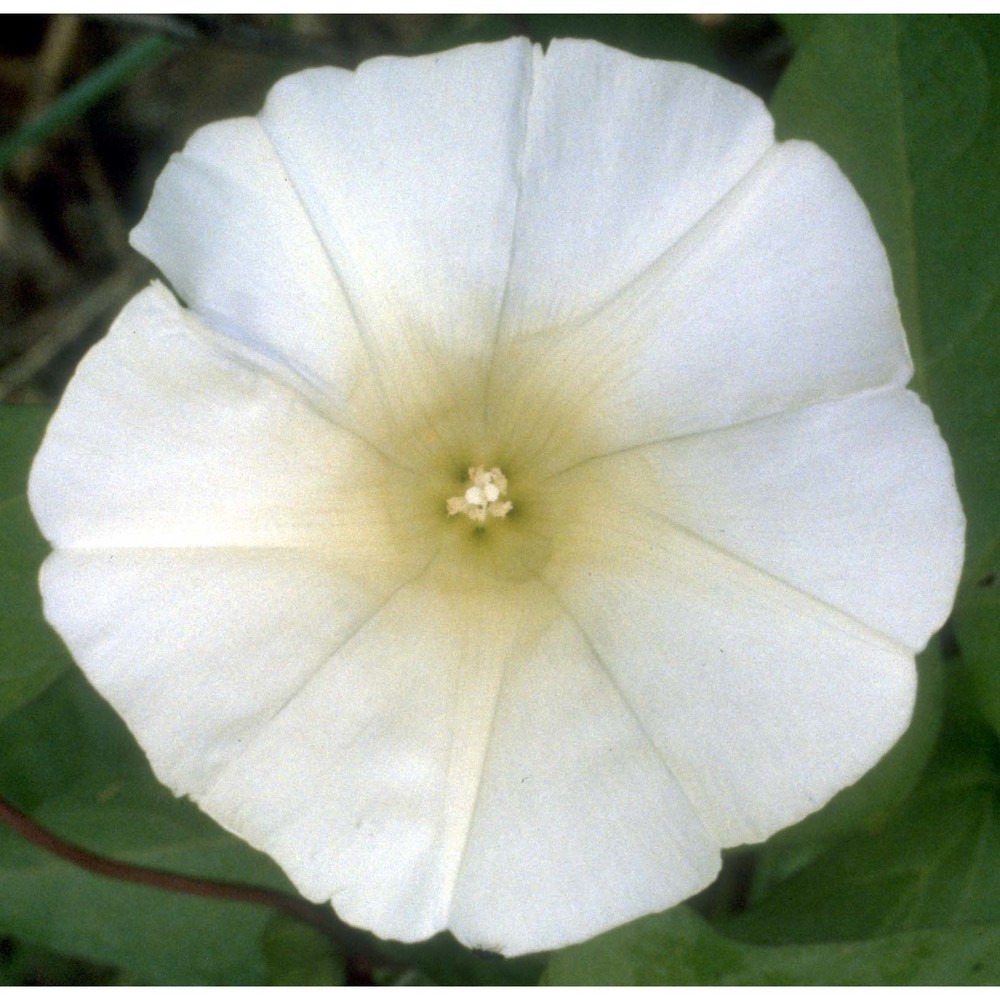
point(933, 865)
point(28, 965)
point(680, 948)
point(798, 27)
point(977, 623)
point(298, 955)
point(162, 938)
point(21, 430)
point(910, 109)
point(444, 962)
point(31, 655)
point(68, 761)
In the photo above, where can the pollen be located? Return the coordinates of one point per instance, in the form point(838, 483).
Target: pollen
point(484, 497)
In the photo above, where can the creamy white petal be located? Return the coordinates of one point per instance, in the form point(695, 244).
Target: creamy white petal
point(408, 170)
point(677, 346)
point(167, 438)
point(228, 230)
point(579, 824)
point(623, 156)
point(462, 762)
point(764, 701)
point(370, 775)
point(197, 649)
point(853, 502)
point(781, 297)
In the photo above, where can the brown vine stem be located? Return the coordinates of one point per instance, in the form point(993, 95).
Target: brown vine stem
point(347, 940)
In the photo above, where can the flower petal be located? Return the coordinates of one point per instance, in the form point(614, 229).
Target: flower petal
point(168, 436)
point(852, 502)
point(228, 230)
point(623, 156)
point(369, 773)
point(499, 765)
point(575, 804)
point(408, 171)
point(780, 297)
point(763, 700)
point(597, 276)
point(197, 649)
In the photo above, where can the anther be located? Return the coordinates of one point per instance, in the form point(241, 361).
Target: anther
point(483, 498)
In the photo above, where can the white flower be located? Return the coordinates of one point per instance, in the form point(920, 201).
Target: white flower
point(527, 503)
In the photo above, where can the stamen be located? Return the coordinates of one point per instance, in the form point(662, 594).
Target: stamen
point(483, 498)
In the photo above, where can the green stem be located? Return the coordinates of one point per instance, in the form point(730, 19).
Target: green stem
point(84, 94)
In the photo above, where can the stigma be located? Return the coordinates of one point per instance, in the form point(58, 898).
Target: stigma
point(484, 497)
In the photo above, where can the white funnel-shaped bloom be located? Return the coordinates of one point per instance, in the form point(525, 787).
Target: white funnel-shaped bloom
point(526, 501)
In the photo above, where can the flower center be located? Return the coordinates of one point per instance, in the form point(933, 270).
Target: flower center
point(484, 496)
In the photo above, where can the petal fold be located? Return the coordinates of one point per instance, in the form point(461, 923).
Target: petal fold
point(408, 170)
point(780, 297)
point(623, 156)
point(171, 435)
point(228, 230)
point(763, 700)
point(852, 502)
point(404, 778)
point(198, 649)
point(575, 804)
